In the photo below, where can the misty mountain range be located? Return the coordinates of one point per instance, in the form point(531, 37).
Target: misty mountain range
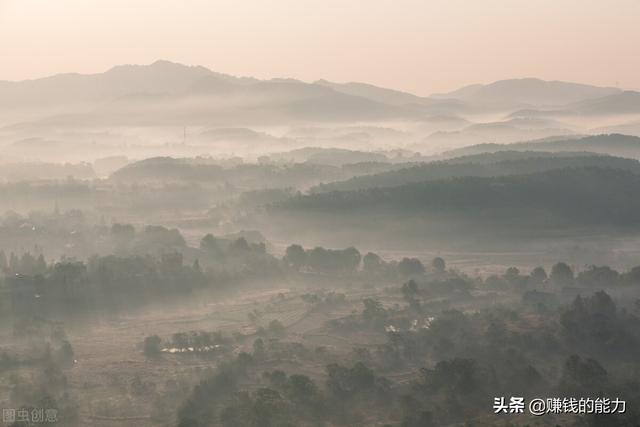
point(166, 82)
point(124, 104)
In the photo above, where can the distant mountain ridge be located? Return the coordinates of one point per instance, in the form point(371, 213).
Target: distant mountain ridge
point(529, 91)
point(168, 93)
point(627, 102)
point(165, 77)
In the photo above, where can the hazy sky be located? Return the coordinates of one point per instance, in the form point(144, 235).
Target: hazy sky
point(421, 46)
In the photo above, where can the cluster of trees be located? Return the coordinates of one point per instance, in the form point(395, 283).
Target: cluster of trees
point(74, 234)
point(238, 258)
point(427, 294)
point(132, 276)
point(148, 265)
point(573, 350)
point(563, 275)
point(588, 347)
point(321, 260)
point(109, 283)
point(325, 299)
point(348, 395)
point(37, 378)
point(350, 261)
point(536, 285)
point(24, 264)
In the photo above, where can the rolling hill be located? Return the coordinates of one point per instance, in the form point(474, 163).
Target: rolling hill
point(613, 144)
point(627, 102)
point(481, 165)
point(529, 91)
point(570, 197)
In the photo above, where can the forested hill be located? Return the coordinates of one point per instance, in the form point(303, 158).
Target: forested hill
point(578, 196)
point(482, 165)
point(613, 144)
point(248, 176)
